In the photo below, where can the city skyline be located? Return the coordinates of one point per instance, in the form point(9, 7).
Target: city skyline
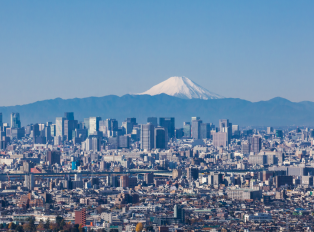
point(258, 50)
point(80, 170)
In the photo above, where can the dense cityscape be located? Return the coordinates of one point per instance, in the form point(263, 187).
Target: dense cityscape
point(156, 116)
point(96, 175)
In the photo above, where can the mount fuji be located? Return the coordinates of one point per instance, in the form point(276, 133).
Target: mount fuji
point(181, 87)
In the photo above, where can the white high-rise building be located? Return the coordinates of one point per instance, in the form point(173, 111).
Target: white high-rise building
point(235, 128)
point(15, 120)
point(87, 145)
point(95, 144)
point(41, 126)
point(57, 140)
point(59, 126)
point(147, 136)
point(93, 125)
point(29, 181)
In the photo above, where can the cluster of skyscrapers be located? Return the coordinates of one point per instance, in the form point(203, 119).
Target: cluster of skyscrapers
point(94, 133)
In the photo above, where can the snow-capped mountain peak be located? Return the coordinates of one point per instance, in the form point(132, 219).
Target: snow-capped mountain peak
point(181, 87)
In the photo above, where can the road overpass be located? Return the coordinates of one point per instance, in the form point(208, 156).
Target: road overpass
point(87, 173)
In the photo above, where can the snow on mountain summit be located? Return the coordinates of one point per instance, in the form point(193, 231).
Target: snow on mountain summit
point(181, 87)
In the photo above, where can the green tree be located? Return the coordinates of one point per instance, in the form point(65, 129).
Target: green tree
point(47, 224)
point(19, 228)
point(59, 219)
point(30, 225)
point(75, 228)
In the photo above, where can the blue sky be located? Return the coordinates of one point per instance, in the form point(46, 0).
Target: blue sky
point(254, 50)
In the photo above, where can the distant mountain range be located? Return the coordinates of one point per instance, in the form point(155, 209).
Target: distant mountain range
point(275, 112)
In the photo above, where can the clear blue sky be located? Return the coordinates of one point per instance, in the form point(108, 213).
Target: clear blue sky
point(254, 50)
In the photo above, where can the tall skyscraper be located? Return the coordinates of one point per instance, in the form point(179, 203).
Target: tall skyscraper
point(28, 129)
point(124, 141)
point(256, 144)
point(205, 129)
point(147, 136)
point(220, 139)
point(128, 127)
point(192, 173)
point(93, 125)
point(179, 213)
point(86, 123)
point(17, 133)
point(29, 181)
point(57, 140)
point(223, 123)
point(246, 148)
point(87, 145)
point(179, 133)
point(226, 127)
point(187, 129)
point(53, 157)
point(80, 217)
point(59, 127)
point(95, 144)
point(196, 129)
point(149, 178)
point(48, 132)
point(132, 121)
point(124, 181)
point(235, 128)
point(69, 115)
point(41, 126)
point(152, 120)
point(169, 124)
point(112, 126)
point(279, 134)
point(53, 130)
point(160, 138)
point(1, 120)
point(81, 133)
point(69, 127)
point(235, 131)
point(36, 131)
point(195, 118)
point(15, 120)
